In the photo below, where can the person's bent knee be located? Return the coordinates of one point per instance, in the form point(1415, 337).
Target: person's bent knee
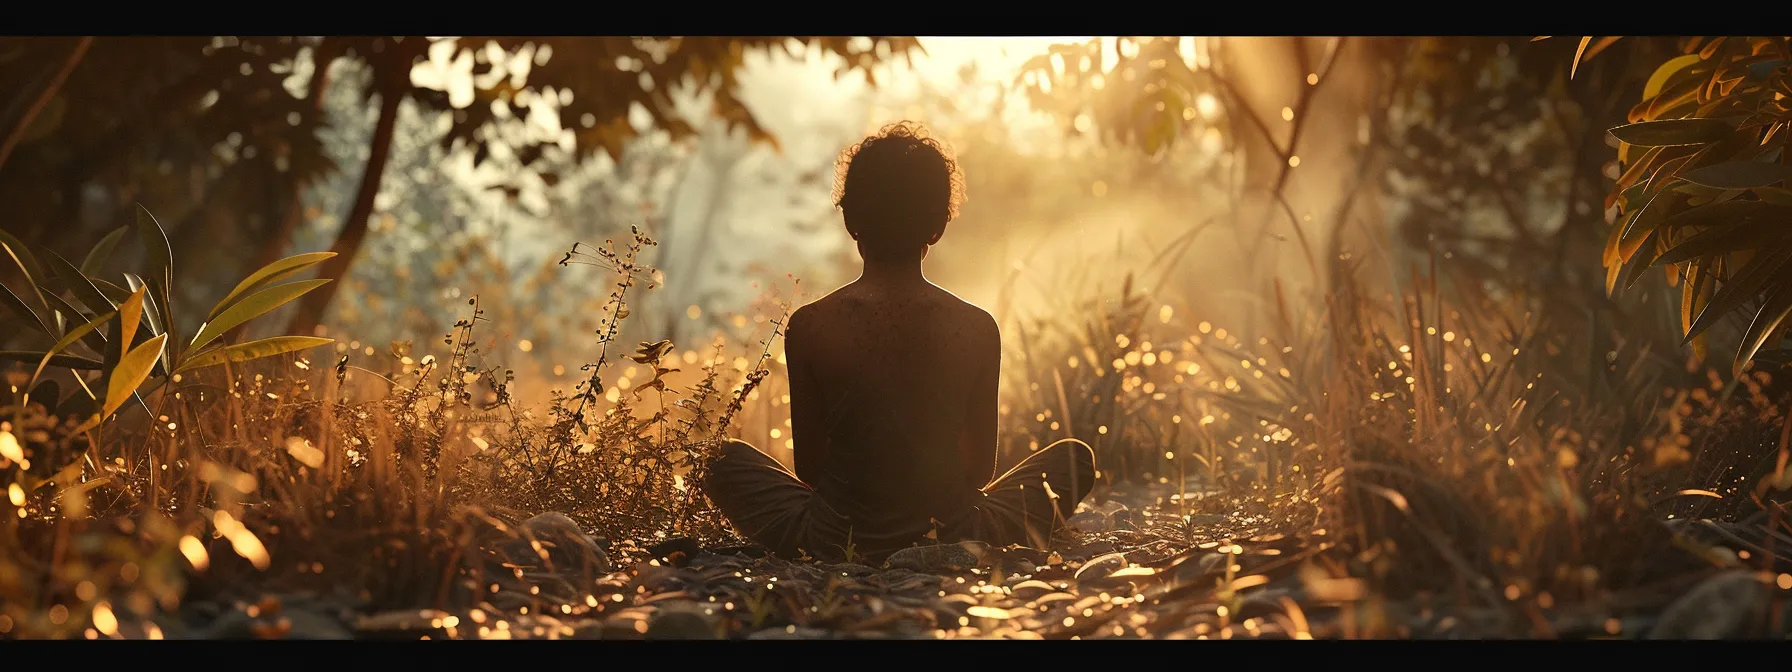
point(1082, 464)
point(1079, 451)
point(735, 449)
point(733, 458)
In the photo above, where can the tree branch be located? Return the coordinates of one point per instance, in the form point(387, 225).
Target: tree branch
point(354, 227)
point(17, 134)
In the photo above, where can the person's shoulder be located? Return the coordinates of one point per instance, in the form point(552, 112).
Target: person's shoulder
point(971, 314)
point(815, 311)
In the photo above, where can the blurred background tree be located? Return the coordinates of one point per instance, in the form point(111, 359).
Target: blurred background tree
point(224, 134)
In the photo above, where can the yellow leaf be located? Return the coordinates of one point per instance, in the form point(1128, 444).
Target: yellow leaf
point(278, 270)
point(1577, 53)
point(129, 313)
point(255, 305)
point(130, 372)
point(243, 352)
point(67, 340)
point(1667, 70)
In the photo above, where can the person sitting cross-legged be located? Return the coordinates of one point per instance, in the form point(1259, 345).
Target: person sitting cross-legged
point(893, 393)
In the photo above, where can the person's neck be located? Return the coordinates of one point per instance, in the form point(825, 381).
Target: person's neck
point(907, 272)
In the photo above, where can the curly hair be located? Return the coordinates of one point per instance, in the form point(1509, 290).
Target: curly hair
point(900, 181)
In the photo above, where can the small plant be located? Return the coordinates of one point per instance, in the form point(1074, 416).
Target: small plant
point(67, 303)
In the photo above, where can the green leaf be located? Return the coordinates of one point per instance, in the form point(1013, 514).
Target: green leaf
point(1774, 195)
point(17, 305)
point(160, 272)
point(1643, 260)
point(69, 314)
point(1670, 132)
point(1746, 284)
point(149, 312)
point(1650, 216)
point(1768, 320)
point(80, 286)
point(243, 352)
point(1722, 240)
point(1776, 357)
point(132, 369)
point(1660, 78)
point(22, 256)
point(1739, 175)
point(113, 293)
point(27, 266)
point(1732, 213)
point(270, 273)
point(68, 339)
point(102, 251)
point(251, 307)
point(159, 255)
point(65, 361)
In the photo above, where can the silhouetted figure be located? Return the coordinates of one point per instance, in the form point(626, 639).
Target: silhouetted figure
point(893, 392)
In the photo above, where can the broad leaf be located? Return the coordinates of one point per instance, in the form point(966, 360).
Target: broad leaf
point(27, 266)
point(149, 303)
point(68, 339)
point(22, 256)
point(113, 293)
point(1739, 175)
point(1644, 259)
point(1721, 240)
point(243, 352)
point(1774, 195)
point(1733, 213)
point(78, 284)
point(17, 305)
point(251, 307)
point(1668, 69)
point(130, 311)
point(102, 251)
point(1747, 284)
point(159, 258)
point(270, 273)
point(1768, 321)
point(76, 362)
point(1697, 292)
point(68, 314)
point(158, 255)
point(1671, 132)
point(1650, 216)
point(1579, 53)
point(132, 369)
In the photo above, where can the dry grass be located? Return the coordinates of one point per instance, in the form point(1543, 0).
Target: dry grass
point(1436, 438)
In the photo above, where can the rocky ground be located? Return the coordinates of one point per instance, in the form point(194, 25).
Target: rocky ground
point(1123, 571)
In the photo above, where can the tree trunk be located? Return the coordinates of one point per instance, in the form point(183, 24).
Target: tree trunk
point(354, 228)
point(44, 97)
point(273, 248)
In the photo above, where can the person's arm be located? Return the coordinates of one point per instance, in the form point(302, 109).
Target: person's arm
point(809, 437)
point(978, 443)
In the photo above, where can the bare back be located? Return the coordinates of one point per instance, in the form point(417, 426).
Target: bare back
point(893, 396)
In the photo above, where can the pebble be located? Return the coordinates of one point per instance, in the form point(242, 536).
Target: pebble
point(1101, 567)
point(680, 624)
point(1730, 605)
point(934, 559)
